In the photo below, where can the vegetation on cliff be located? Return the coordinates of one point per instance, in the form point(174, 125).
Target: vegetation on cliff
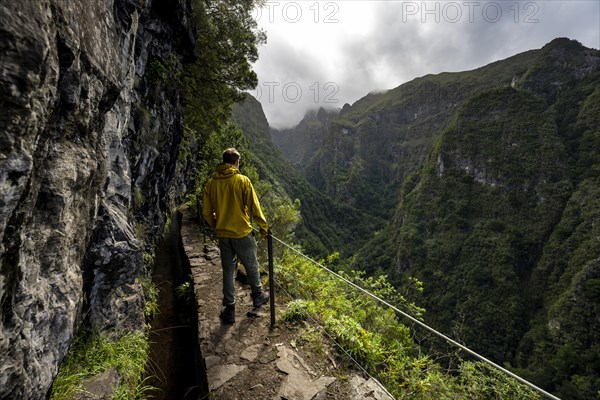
point(489, 179)
point(227, 41)
point(378, 340)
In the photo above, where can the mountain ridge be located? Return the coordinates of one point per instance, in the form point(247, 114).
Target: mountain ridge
point(485, 177)
point(404, 120)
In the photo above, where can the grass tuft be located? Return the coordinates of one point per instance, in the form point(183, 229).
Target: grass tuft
point(93, 354)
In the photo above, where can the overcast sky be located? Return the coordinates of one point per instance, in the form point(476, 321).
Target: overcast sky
point(328, 53)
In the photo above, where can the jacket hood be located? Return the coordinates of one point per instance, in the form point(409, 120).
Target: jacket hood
point(224, 171)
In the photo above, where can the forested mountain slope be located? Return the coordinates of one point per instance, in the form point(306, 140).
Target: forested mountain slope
point(491, 181)
point(384, 137)
point(499, 222)
point(300, 143)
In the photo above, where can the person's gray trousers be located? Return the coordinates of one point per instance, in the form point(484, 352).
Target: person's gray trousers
point(244, 249)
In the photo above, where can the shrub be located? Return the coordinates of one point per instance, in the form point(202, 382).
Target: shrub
point(378, 341)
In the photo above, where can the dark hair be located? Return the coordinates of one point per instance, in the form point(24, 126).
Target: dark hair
point(231, 155)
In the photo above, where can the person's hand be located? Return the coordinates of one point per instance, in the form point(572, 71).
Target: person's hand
point(264, 233)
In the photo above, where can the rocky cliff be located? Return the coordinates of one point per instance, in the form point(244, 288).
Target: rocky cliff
point(88, 146)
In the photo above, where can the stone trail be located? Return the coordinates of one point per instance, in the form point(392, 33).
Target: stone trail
point(249, 360)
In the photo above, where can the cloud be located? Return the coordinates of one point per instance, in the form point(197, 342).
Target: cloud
point(328, 53)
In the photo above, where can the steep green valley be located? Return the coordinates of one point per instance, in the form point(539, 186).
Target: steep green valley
point(378, 141)
point(470, 200)
point(489, 180)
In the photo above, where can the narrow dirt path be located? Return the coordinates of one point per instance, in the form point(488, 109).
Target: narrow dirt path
point(250, 361)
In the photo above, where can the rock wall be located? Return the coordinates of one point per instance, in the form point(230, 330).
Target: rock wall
point(88, 146)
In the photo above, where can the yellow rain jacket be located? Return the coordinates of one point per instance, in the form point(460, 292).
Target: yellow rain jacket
point(229, 203)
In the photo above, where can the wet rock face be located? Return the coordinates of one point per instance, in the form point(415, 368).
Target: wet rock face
point(71, 238)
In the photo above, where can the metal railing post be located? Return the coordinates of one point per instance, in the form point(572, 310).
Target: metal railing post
point(271, 278)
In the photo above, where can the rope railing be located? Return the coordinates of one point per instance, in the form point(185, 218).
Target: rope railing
point(334, 341)
point(404, 314)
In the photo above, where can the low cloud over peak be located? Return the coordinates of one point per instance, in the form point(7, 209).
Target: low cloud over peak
point(334, 52)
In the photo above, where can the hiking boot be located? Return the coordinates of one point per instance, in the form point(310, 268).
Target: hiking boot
point(228, 314)
point(260, 298)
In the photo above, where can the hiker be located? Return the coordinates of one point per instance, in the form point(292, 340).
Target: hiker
point(229, 204)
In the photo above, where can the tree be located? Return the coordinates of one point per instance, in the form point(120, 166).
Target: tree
point(226, 42)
